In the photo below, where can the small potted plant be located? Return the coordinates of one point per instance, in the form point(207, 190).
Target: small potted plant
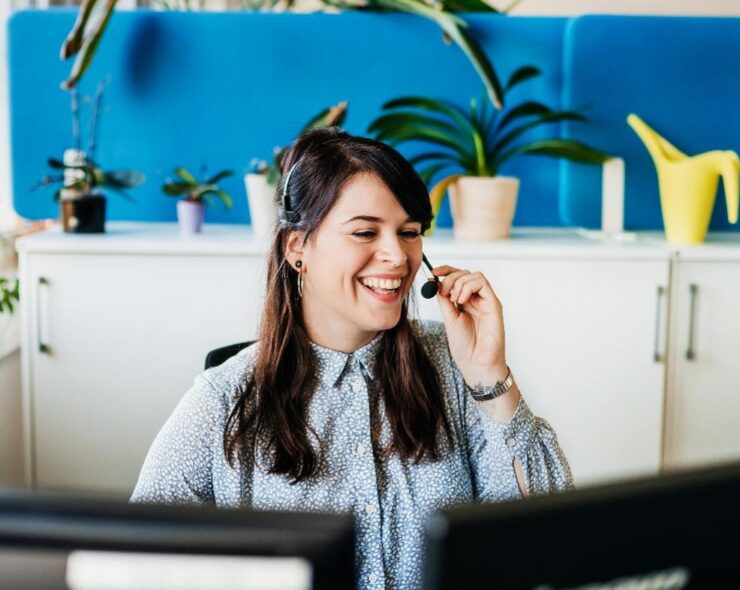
point(261, 179)
point(474, 145)
point(81, 201)
point(191, 209)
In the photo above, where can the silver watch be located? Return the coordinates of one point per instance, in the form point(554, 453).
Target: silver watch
point(481, 394)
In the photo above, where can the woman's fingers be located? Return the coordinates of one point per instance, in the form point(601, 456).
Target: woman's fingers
point(461, 285)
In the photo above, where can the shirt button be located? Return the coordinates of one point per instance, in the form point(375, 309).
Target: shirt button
point(360, 450)
point(372, 578)
point(356, 386)
point(370, 509)
point(511, 442)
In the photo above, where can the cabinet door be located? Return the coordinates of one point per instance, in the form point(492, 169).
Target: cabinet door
point(581, 342)
point(703, 405)
point(124, 337)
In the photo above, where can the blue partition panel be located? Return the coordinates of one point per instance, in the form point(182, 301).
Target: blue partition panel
point(680, 74)
point(188, 88)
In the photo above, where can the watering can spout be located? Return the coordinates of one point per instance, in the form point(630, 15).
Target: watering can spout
point(660, 149)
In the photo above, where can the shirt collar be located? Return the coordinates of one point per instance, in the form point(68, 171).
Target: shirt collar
point(331, 363)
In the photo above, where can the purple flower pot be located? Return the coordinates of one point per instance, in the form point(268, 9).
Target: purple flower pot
point(190, 215)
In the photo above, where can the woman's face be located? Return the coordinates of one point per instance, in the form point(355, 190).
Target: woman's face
point(359, 265)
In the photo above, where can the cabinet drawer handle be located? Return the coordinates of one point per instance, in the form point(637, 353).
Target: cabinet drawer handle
point(657, 357)
point(693, 288)
point(43, 347)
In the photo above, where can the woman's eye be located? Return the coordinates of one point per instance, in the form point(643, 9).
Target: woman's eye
point(364, 234)
point(410, 234)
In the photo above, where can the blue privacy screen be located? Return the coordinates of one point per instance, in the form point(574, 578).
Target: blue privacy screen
point(681, 75)
point(223, 88)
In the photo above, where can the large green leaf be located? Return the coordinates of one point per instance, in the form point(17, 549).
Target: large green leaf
point(453, 27)
point(211, 190)
point(73, 42)
point(175, 189)
point(409, 132)
point(540, 120)
point(123, 178)
point(467, 6)
point(428, 174)
point(89, 47)
point(386, 125)
point(186, 175)
point(220, 176)
point(449, 109)
point(525, 109)
point(558, 148)
point(520, 75)
point(431, 156)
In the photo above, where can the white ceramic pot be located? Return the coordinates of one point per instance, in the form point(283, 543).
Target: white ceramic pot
point(261, 200)
point(483, 208)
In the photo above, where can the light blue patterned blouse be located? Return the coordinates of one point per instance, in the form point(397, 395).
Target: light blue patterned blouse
point(390, 499)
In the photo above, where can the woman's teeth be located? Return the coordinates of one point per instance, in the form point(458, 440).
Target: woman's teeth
point(382, 285)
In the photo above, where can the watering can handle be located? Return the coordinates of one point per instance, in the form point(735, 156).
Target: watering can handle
point(730, 170)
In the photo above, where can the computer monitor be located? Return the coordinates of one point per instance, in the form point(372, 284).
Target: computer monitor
point(666, 533)
point(54, 542)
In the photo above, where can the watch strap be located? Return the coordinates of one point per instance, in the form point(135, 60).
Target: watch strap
point(500, 388)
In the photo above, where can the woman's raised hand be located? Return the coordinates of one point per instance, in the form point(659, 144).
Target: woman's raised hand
point(474, 321)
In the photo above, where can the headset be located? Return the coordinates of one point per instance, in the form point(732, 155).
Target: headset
point(430, 288)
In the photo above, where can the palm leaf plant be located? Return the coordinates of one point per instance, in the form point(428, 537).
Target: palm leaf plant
point(199, 191)
point(329, 117)
point(476, 141)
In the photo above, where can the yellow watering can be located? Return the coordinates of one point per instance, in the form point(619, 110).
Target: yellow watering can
point(688, 185)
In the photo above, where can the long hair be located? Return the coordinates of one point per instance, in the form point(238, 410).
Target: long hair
point(269, 421)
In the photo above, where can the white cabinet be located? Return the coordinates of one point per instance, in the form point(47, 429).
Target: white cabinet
point(581, 341)
point(115, 327)
point(703, 409)
point(111, 341)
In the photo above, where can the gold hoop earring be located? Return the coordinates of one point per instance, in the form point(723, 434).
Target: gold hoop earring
point(299, 265)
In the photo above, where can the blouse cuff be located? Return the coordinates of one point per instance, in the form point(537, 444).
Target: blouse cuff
point(518, 433)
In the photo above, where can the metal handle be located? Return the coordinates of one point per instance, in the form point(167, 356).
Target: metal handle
point(693, 288)
point(656, 352)
point(43, 347)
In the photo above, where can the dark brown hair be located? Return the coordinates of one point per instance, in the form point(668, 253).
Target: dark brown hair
point(270, 418)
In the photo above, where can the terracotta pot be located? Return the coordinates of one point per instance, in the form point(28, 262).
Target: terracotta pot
point(262, 209)
point(482, 207)
point(190, 215)
point(83, 214)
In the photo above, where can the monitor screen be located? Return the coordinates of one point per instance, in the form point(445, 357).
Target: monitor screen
point(666, 533)
point(59, 542)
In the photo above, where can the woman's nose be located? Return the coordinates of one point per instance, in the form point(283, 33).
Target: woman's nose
point(393, 252)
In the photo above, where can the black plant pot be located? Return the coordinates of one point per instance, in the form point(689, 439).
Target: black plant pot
point(85, 215)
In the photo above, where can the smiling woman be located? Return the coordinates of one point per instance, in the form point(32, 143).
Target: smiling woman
point(345, 404)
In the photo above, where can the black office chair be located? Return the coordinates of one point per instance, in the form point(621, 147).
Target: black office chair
point(219, 355)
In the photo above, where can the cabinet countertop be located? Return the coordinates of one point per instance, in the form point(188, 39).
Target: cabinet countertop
point(144, 238)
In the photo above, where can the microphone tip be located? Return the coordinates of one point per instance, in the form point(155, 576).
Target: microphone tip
point(429, 289)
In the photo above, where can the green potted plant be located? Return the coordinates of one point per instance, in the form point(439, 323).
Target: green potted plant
point(80, 197)
point(196, 193)
point(473, 146)
point(9, 293)
point(262, 177)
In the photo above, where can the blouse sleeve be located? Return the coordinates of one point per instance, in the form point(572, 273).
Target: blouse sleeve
point(179, 465)
point(493, 446)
